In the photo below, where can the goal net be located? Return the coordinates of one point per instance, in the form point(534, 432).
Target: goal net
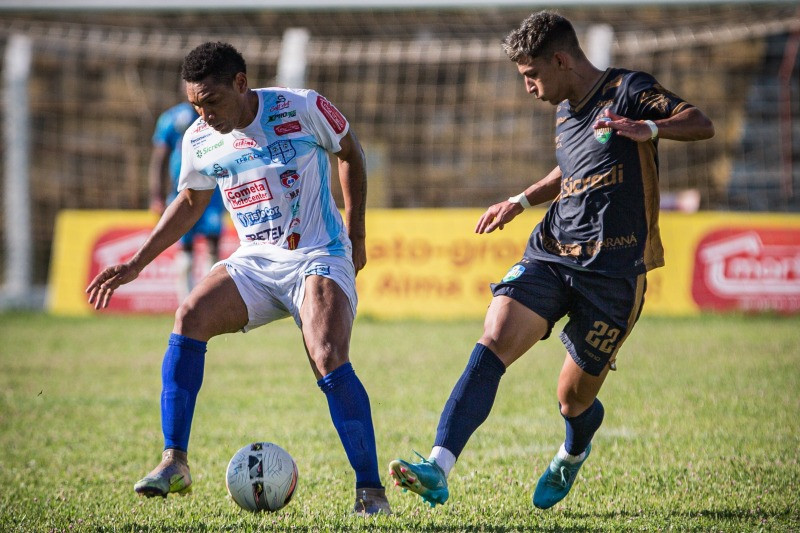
point(441, 112)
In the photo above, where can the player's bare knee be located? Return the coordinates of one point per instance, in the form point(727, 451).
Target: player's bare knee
point(188, 321)
point(328, 356)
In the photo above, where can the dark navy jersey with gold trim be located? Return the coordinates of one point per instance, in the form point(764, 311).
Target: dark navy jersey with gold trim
point(605, 218)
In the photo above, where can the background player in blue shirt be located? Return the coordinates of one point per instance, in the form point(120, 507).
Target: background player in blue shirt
point(164, 170)
point(587, 259)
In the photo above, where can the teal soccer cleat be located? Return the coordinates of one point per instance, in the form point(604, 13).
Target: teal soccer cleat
point(425, 478)
point(556, 481)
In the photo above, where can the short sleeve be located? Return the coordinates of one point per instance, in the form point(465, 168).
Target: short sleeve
point(327, 122)
point(650, 101)
point(190, 177)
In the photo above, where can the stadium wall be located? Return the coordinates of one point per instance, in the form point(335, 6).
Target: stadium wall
point(429, 263)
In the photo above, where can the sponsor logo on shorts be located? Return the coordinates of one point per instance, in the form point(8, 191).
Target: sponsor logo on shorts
point(247, 142)
point(289, 127)
point(334, 117)
point(515, 272)
point(289, 178)
point(282, 151)
point(259, 216)
point(248, 193)
point(318, 270)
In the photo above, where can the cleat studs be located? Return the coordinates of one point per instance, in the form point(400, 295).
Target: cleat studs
point(403, 469)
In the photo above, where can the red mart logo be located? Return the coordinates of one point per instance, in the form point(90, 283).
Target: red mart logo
point(748, 269)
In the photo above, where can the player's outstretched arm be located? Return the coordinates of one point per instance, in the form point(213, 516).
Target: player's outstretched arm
point(688, 125)
point(353, 178)
point(178, 218)
point(500, 214)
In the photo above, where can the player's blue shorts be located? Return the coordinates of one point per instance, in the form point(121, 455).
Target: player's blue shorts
point(210, 222)
point(209, 225)
point(602, 310)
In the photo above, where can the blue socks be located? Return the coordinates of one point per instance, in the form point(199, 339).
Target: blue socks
point(349, 406)
point(581, 428)
point(181, 377)
point(471, 400)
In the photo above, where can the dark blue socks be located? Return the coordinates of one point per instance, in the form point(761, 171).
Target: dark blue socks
point(349, 406)
point(181, 377)
point(470, 401)
point(581, 428)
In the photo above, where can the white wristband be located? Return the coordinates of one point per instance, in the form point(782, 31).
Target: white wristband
point(653, 129)
point(520, 199)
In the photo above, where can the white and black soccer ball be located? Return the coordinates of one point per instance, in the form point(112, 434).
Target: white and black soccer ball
point(262, 476)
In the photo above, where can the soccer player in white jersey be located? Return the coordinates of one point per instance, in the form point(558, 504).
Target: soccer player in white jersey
point(267, 151)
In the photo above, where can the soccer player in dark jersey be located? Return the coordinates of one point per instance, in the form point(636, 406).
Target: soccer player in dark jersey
point(587, 258)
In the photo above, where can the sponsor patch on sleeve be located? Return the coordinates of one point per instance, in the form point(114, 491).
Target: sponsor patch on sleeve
point(333, 116)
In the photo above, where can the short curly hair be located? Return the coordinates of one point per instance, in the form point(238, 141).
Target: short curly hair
point(219, 60)
point(541, 34)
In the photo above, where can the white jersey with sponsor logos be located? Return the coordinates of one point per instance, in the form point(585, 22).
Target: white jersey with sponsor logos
point(275, 174)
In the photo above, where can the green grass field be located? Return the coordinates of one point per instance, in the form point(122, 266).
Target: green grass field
point(701, 430)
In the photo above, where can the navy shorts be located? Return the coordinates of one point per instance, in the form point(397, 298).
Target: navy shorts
point(602, 310)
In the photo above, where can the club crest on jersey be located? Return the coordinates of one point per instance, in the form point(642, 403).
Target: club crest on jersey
point(293, 240)
point(289, 178)
point(603, 135)
point(282, 151)
point(515, 272)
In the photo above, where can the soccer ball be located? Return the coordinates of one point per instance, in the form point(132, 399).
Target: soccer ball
point(261, 477)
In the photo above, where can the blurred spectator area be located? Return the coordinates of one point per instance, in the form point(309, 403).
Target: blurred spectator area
point(441, 112)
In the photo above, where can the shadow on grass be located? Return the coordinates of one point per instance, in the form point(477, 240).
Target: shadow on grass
point(720, 514)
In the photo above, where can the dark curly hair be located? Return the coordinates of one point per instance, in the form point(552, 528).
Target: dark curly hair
point(541, 34)
point(219, 60)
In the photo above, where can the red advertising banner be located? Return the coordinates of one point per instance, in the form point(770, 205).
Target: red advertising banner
point(748, 269)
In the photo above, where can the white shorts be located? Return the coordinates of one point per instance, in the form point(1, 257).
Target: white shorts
point(273, 285)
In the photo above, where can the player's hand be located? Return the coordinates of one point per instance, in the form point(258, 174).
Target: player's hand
point(635, 130)
point(106, 282)
point(359, 253)
point(497, 216)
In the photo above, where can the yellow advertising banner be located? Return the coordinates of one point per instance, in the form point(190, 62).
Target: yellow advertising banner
point(430, 264)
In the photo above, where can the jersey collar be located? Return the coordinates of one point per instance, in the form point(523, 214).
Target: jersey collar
point(585, 100)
